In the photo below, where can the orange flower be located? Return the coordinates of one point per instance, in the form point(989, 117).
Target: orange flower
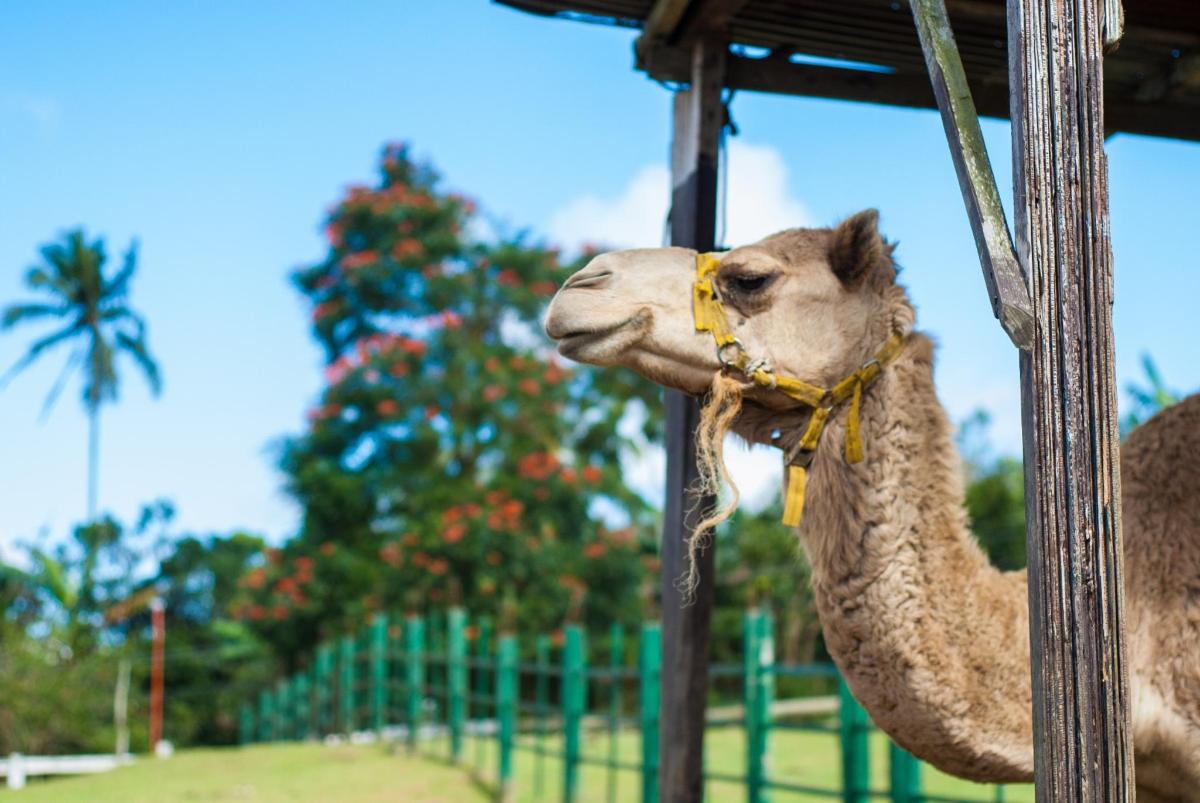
point(492, 365)
point(492, 392)
point(529, 386)
point(543, 288)
point(594, 550)
point(431, 412)
point(327, 548)
point(387, 407)
point(398, 369)
point(438, 567)
point(591, 475)
point(454, 533)
point(569, 476)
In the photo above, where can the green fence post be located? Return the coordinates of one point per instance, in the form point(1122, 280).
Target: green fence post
point(456, 678)
point(574, 702)
point(541, 691)
point(649, 669)
point(758, 649)
point(346, 684)
point(246, 724)
point(266, 720)
point(303, 707)
point(904, 773)
point(325, 715)
point(379, 673)
point(414, 656)
point(854, 731)
point(616, 658)
point(506, 711)
point(483, 640)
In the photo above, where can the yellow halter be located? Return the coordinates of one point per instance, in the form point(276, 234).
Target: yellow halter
point(710, 317)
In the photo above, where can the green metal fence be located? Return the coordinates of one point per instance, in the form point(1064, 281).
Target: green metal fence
point(440, 682)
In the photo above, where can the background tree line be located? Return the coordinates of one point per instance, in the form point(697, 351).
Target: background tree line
point(450, 459)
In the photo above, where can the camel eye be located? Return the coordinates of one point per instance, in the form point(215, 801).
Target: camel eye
point(749, 284)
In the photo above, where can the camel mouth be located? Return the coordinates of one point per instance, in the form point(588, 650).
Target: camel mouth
point(600, 345)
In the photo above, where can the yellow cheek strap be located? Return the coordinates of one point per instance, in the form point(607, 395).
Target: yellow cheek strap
point(710, 317)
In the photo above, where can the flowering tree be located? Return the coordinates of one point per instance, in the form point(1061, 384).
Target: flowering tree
point(451, 457)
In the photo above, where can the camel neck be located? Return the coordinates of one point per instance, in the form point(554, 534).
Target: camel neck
point(932, 640)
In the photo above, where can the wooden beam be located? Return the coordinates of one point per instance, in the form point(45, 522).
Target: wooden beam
point(908, 90)
point(1002, 274)
point(1080, 686)
point(698, 119)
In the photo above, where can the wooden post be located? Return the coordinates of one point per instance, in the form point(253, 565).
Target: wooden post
point(698, 119)
point(1007, 290)
point(1073, 513)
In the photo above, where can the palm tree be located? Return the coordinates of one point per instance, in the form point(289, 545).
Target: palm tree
point(93, 319)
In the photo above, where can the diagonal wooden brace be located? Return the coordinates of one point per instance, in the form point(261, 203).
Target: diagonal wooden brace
point(1002, 271)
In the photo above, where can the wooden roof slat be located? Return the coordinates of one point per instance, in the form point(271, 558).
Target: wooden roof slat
point(1148, 84)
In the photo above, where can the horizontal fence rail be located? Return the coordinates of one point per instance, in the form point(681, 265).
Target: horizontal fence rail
point(439, 683)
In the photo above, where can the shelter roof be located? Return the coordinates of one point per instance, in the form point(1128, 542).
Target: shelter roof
point(867, 50)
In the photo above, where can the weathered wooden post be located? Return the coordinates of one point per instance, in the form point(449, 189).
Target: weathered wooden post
point(1080, 689)
point(695, 150)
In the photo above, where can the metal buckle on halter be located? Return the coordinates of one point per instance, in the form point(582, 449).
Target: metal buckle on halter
point(726, 362)
point(799, 457)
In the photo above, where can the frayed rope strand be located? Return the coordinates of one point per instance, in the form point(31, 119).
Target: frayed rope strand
point(720, 410)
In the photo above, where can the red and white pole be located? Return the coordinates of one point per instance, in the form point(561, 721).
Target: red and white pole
point(158, 624)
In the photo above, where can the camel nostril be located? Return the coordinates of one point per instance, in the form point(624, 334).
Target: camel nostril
point(587, 279)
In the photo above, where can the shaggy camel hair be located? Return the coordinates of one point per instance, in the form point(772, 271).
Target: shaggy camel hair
point(932, 639)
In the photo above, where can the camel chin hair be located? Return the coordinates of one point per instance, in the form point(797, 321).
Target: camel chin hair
point(717, 416)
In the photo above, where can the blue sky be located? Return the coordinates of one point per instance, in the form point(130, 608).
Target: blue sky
point(218, 132)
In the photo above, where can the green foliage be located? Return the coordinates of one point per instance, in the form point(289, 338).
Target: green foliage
point(91, 313)
point(1146, 400)
point(451, 459)
point(995, 494)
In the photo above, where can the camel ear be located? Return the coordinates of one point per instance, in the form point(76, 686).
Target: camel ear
point(857, 249)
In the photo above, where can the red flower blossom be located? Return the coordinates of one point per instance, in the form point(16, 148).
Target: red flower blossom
point(391, 554)
point(398, 369)
point(324, 310)
point(257, 613)
point(327, 548)
point(508, 278)
point(451, 319)
point(537, 465)
point(438, 567)
point(256, 579)
point(494, 558)
point(454, 533)
point(543, 288)
point(359, 259)
point(569, 476)
point(387, 407)
point(594, 550)
point(591, 475)
point(471, 509)
point(491, 365)
point(492, 392)
point(407, 249)
point(409, 539)
point(431, 412)
point(529, 386)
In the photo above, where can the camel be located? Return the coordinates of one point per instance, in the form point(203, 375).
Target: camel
point(930, 637)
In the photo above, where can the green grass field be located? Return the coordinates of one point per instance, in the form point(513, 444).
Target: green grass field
point(313, 773)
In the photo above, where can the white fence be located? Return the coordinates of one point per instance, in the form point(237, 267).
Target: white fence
point(16, 768)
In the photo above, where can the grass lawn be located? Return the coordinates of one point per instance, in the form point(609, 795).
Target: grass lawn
point(312, 773)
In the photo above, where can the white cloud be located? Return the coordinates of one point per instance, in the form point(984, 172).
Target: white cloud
point(758, 203)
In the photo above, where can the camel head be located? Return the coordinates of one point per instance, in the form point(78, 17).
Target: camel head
point(815, 302)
